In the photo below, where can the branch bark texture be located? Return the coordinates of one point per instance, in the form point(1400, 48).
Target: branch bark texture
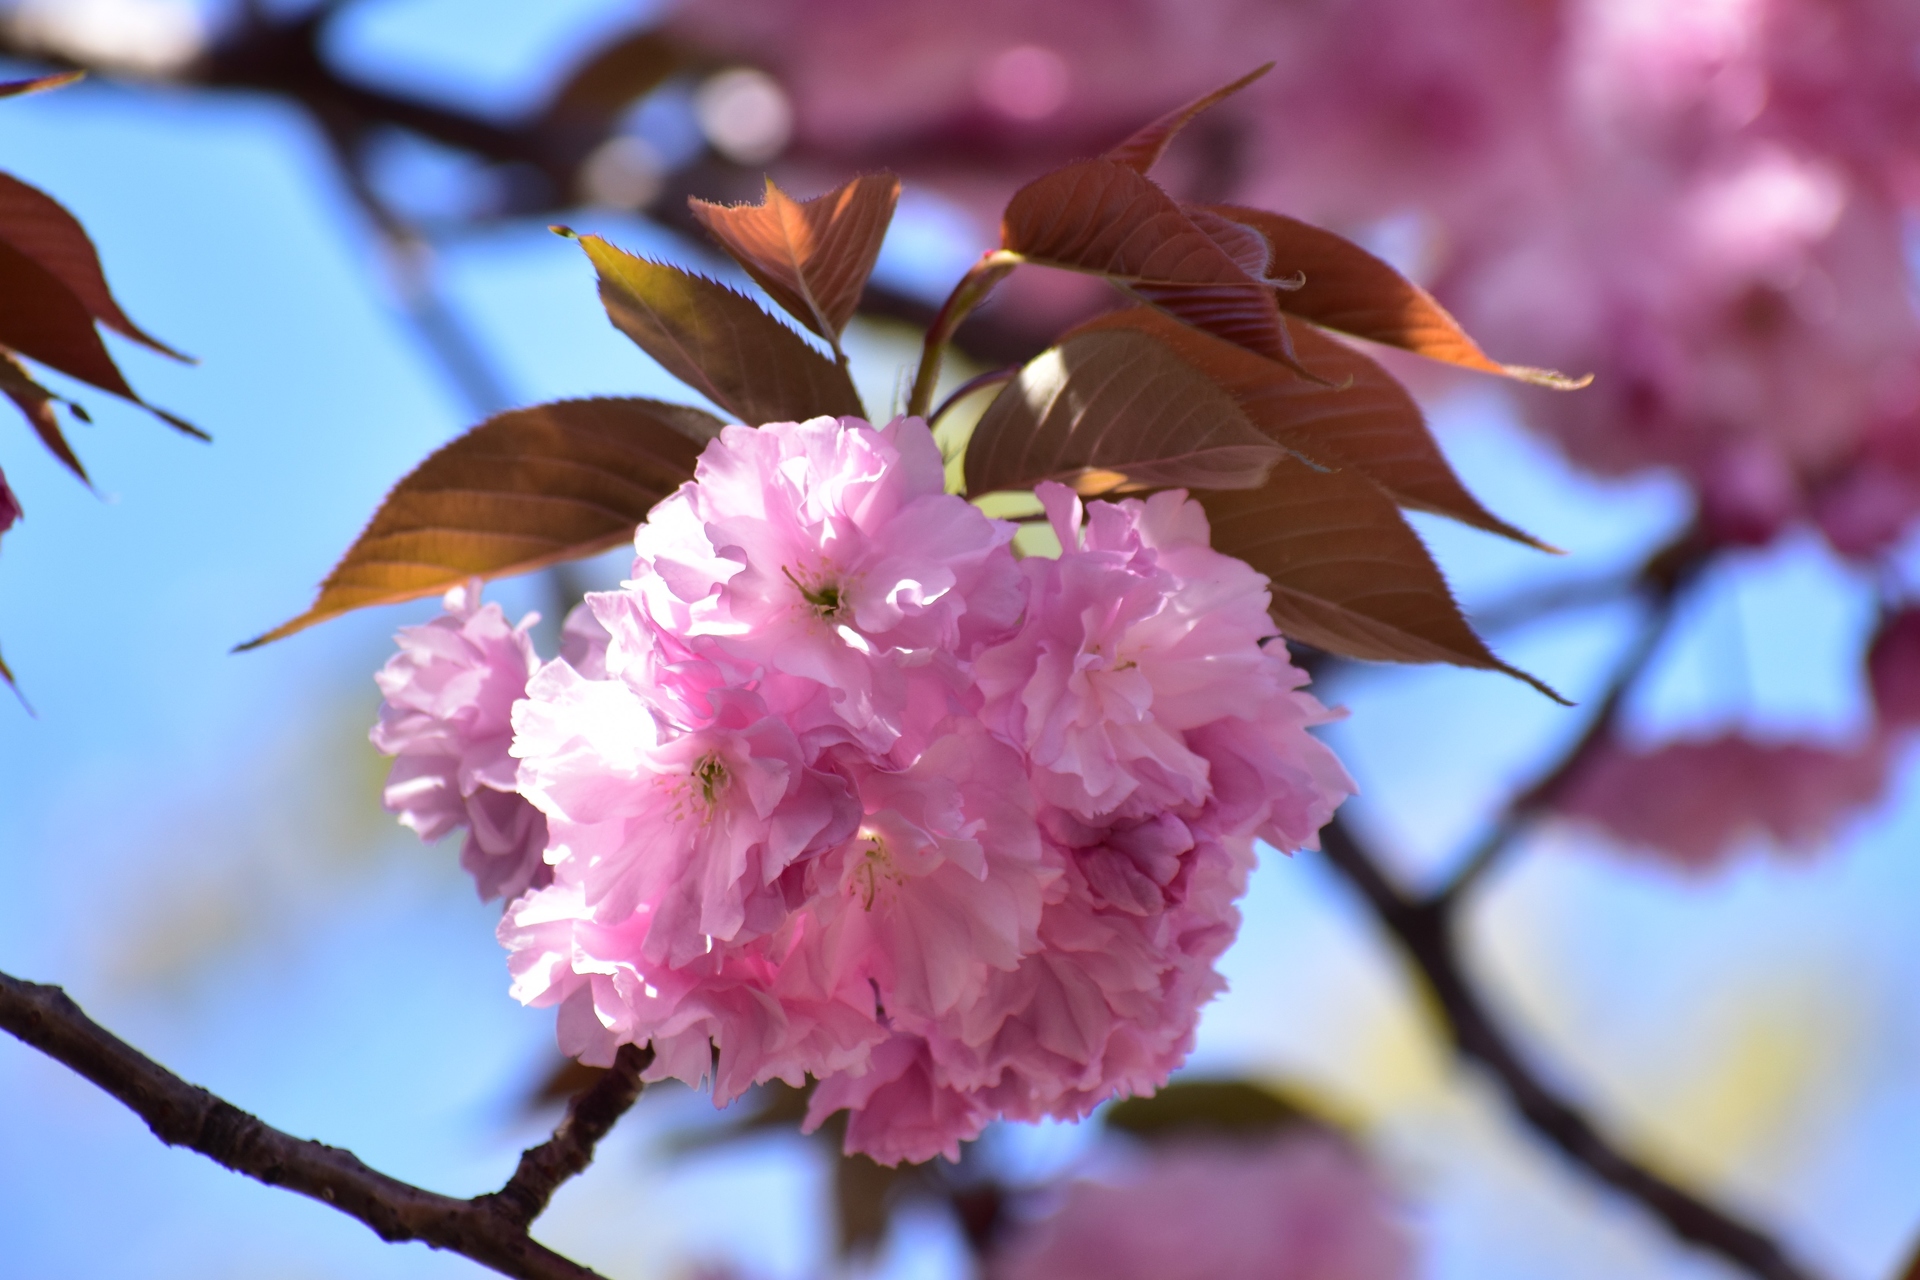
point(490, 1229)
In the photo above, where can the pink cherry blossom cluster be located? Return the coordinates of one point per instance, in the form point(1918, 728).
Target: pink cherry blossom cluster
point(836, 786)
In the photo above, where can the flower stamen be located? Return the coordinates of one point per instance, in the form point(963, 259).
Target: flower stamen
point(824, 599)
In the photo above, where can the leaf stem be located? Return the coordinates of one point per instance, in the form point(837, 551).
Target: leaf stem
point(490, 1229)
point(971, 385)
point(968, 294)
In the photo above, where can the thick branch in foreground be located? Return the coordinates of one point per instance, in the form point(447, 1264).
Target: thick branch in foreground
point(490, 1229)
point(590, 1116)
point(1426, 932)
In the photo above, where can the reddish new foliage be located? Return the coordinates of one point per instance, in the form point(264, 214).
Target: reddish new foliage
point(1700, 204)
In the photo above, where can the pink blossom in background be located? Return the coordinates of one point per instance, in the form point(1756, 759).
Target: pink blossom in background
point(1304, 1206)
point(1369, 103)
point(1373, 108)
point(838, 788)
point(1701, 203)
point(447, 721)
point(1839, 78)
point(1720, 238)
point(1694, 803)
point(1740, 293)
point(1893, 670)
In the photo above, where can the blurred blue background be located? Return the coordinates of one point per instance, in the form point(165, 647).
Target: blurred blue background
point(198, 854)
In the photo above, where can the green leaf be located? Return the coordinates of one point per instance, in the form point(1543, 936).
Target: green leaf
point(1115, 411)
point(521, 491)
point(719, 342)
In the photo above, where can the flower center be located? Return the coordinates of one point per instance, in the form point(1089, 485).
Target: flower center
point(875, 866)
point(824, 598)
point(710, 775)
point(1099, 657)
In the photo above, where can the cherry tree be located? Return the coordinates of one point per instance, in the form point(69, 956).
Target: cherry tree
point(908, 783)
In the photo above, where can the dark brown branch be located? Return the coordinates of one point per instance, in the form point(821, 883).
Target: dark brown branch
point(489, 1229)
point(590, 1116)
point(1426, 932)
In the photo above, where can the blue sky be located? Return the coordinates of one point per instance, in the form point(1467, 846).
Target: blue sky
point(197, 851)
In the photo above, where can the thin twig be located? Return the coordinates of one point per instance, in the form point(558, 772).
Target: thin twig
point(1662, 580)
point(490, 1229)
point(1426, 932)
point(1529, 805)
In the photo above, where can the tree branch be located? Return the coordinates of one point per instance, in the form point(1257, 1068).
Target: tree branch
point(1426, 932)
point(283, 57)
point(490, 1229)
point(1661, 580)
point(590, 1116)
